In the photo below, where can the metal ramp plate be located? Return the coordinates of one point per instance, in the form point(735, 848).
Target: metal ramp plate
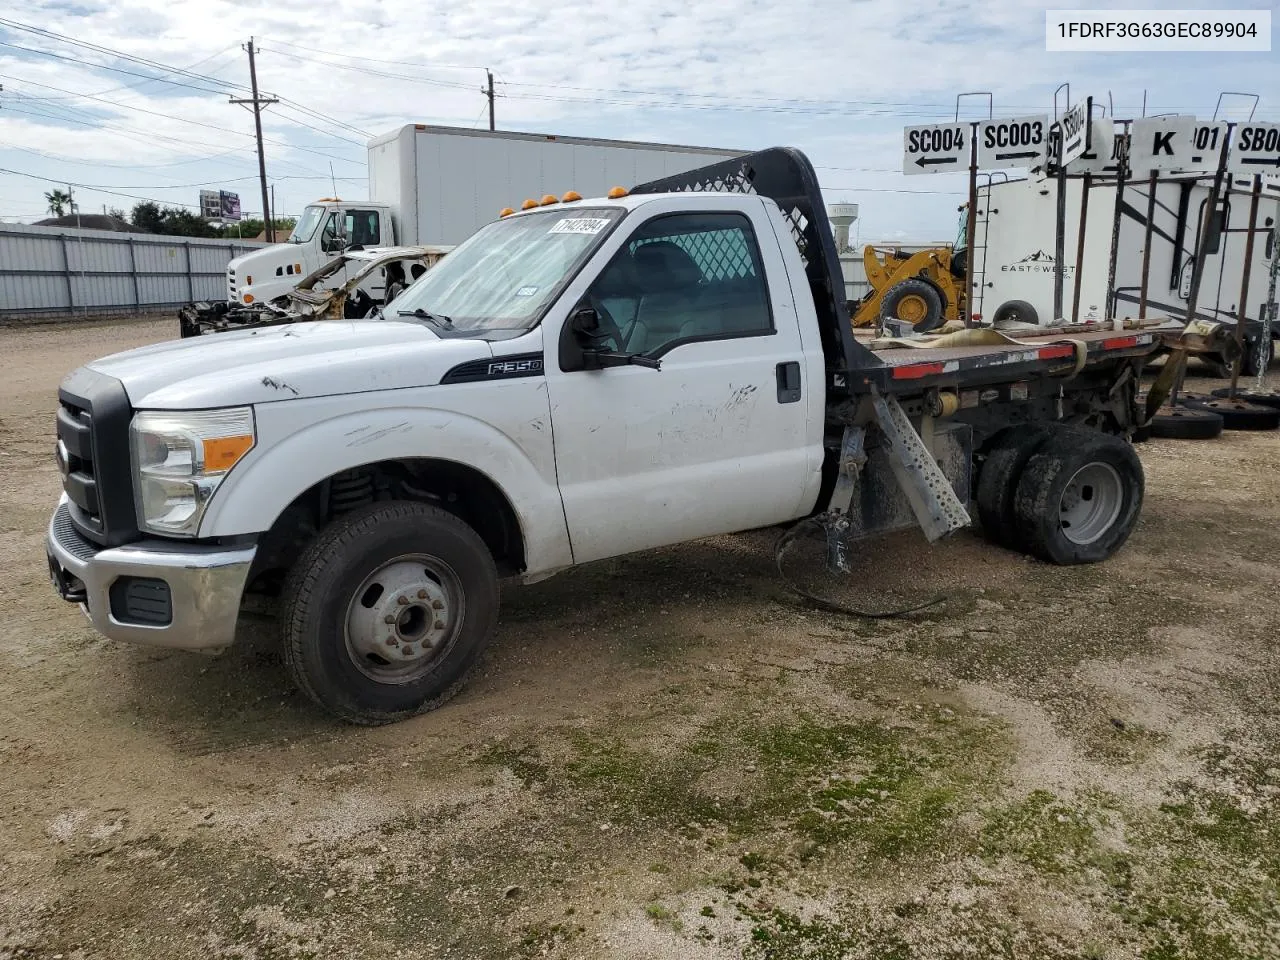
point(936, 506)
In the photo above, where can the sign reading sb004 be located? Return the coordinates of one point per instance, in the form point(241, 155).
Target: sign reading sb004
point(1013, 142)
point(938, 148)
point(1256, 148)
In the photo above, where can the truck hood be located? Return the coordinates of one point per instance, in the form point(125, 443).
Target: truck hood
point(262, 258)
point(292, 361)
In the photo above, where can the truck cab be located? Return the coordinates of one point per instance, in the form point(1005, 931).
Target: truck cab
point(326, 229)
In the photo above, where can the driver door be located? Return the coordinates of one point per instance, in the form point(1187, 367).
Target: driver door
point(723, 436)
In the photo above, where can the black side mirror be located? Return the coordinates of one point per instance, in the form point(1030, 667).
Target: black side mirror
point(585, 324)
point(583, 346)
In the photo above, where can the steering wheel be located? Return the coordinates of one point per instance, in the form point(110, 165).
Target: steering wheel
point(608, 326)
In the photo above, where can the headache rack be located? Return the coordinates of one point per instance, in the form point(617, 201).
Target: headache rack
point(786, 177)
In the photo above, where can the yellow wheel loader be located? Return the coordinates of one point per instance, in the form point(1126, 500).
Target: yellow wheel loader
point(924, 289)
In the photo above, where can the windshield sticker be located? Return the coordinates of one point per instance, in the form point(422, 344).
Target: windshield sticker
point(526, 291)
point(587, 225)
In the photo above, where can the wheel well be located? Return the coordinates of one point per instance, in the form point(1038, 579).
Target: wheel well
point(462, 490)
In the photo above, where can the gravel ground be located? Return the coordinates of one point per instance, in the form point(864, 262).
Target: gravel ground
point(667, 756)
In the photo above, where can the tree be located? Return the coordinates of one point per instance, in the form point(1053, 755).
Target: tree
point(117, 213)
point(58, 201)
point(252, 226)
point(147, 216)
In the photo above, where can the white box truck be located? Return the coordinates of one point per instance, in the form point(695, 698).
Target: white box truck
point(435, 186)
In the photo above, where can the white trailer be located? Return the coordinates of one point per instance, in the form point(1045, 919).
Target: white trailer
point(435, 186)
point(1015, 240)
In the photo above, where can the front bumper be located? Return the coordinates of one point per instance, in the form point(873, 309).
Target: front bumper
point(157, 593)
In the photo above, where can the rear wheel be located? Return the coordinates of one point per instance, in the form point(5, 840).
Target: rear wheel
point(998, 480)
point(387, 610)
point(1015, 311)
point(1238, 414)
point(1079, 497)
point(915, 302)
point(1184, 423)
point(1268, 398)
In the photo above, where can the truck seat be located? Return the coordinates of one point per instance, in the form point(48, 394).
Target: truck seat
point(674, 278)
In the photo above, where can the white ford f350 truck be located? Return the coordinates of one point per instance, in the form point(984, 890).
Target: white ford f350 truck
point(575, 381)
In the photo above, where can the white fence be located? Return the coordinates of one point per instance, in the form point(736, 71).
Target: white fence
point(65, 272)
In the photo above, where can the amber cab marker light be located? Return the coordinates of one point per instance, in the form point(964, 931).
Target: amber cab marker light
point(528, 204)
point(617, 193)
point(549, 199)
point(505, 212)
point(571, 196)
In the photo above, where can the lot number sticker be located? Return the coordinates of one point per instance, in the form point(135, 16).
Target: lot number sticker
point(586, 225)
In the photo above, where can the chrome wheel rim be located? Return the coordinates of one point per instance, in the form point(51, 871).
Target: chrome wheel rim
point(402, 617)
point(1091, 503)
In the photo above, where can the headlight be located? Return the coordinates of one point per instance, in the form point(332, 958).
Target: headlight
point(179, 458)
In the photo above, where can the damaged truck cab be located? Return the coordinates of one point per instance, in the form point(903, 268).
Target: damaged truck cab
point(577, 381)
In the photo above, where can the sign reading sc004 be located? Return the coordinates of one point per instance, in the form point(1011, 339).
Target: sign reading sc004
point(937, 148)
point(1013, 142)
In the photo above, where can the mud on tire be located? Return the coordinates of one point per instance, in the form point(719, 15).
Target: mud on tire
point(1079, 497)
point(998, 480)
point(387, 610)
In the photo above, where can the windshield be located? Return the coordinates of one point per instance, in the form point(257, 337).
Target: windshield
point(506, 274)
point(962, 233)
point(305, 228)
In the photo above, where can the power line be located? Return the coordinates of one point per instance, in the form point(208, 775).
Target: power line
point(368, 71)
point(85, 186)
point(125, 132)
point(118, 54)
point(199, 123)
point(103, 66)
point(399, 63)
point(143, 83)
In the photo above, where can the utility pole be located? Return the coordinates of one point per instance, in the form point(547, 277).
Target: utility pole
point(258, 103)
point(489, 92)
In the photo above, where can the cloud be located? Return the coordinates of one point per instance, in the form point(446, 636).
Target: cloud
point(837, 78)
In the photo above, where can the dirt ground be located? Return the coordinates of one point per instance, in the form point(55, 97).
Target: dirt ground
point(668, 756)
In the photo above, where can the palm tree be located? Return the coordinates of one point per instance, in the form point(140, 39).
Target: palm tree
point(57, 200)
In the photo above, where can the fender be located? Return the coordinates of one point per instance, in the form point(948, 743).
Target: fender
point(298, 446)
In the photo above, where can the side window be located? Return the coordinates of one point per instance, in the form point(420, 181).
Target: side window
point(685, 277)
point(363, 228)
point(329, 234)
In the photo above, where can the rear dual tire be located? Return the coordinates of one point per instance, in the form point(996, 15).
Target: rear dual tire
point(1065, 494)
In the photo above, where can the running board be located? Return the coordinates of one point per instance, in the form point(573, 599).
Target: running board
point(933, 500)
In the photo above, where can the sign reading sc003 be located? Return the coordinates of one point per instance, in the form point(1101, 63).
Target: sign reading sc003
point(1013, 142)
point(937, 148)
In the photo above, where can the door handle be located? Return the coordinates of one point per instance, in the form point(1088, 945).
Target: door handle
point(788, 381)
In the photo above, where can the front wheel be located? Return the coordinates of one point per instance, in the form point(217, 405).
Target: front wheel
point(387, 611)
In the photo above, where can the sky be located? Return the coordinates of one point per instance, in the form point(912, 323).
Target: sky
point(839, 80)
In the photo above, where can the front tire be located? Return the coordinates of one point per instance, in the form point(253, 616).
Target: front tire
point(387, 611)
point(915, 302)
